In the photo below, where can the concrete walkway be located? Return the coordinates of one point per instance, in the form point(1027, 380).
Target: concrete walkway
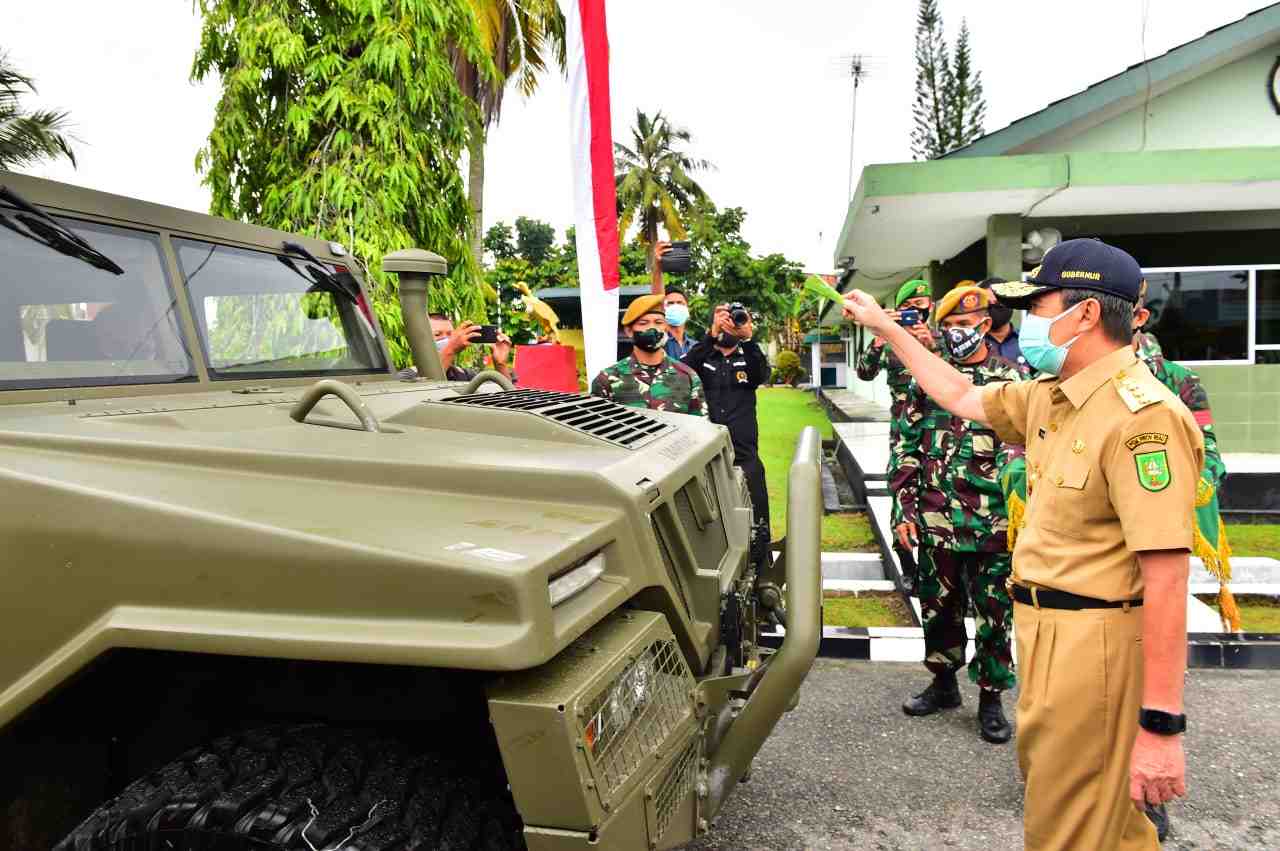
point(847, 771)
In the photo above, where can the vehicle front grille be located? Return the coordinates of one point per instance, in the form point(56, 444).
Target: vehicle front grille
point(599, 418)
point(619, 752)
point(675, 789)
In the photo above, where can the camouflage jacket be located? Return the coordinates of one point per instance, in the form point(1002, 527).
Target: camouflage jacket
point(946, 470)
point(669, 386)
point(1186, 384)
point(874, 358)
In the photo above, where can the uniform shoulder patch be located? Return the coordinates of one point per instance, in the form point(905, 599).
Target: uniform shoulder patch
point(1153, 470)
point(1146, 437)
point(1135, 392)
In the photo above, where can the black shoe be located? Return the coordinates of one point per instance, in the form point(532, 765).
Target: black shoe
point(1160, 818)
point(942, 693)
point(992, 724)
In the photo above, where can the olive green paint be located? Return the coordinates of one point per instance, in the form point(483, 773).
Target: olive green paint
point(197, 517)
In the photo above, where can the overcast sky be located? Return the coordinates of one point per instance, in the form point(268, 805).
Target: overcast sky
point(759, 84)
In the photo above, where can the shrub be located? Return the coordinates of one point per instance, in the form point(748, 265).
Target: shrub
point(788, 367)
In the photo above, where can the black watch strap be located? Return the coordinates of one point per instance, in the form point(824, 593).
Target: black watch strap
point(1161, 723)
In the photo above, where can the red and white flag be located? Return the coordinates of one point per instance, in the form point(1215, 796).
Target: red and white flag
point(594, 195)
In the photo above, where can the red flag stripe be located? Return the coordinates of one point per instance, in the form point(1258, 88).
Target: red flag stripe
point(595, 41)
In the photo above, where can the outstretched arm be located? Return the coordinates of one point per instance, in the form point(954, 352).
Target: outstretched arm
point(940, 380)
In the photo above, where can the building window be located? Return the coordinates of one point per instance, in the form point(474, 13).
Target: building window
point(1201, 315)
point(1267, 310)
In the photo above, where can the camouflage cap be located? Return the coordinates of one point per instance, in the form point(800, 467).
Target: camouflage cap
point(651, 303)
point(912, 289)
point(963, 300)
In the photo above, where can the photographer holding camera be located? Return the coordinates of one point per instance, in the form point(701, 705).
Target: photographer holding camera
point(450, 341)
point(731, 367)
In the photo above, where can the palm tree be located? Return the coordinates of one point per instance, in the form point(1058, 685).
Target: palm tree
point(28, 137)
point(653, 178)
point(517, 35)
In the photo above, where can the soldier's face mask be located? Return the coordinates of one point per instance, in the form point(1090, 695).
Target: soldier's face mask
point(650, 339)
point(961, 341)
point(1000, 315)
point(1041, 352)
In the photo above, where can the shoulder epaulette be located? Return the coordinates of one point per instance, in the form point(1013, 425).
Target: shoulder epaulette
point(1134, 391)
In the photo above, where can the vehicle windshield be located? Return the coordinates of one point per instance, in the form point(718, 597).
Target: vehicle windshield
point(65, 322)
point(263, 315)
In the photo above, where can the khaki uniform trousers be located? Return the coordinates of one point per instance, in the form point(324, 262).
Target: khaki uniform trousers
point(1080, 674)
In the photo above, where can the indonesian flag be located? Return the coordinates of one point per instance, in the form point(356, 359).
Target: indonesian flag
point(594, 195)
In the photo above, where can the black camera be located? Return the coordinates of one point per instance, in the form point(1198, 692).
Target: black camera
point(739, 314)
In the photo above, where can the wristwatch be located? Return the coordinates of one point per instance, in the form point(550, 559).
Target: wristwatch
point(1161, 723)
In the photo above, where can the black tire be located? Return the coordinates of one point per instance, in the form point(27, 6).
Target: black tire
point(256, 791)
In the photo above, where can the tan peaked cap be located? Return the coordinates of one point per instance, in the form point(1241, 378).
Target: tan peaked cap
point(651, 303)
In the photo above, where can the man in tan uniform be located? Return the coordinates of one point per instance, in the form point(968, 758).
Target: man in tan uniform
point(1100, 569)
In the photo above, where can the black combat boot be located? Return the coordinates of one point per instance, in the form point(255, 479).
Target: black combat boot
point(942, 693)
point(992, 724)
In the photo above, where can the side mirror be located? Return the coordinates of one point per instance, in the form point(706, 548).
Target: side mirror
point(415, 268)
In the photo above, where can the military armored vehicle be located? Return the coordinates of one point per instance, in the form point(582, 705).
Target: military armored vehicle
point(261, 593)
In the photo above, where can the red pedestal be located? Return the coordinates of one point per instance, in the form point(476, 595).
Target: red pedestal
point(547, 367)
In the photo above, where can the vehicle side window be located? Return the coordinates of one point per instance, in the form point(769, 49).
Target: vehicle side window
point(65, 322)
point(262, 314)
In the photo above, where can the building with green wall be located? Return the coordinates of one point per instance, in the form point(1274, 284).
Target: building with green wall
point(1176, 160)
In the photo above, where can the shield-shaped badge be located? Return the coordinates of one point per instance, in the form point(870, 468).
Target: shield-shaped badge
point(1153, 470)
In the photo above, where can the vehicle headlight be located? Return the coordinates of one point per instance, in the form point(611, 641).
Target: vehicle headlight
point(625, 701)
point(576, 579)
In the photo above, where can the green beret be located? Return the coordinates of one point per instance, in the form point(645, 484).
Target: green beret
point(912, 289)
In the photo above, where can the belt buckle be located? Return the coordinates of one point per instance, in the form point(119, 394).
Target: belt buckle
point(1008, 585)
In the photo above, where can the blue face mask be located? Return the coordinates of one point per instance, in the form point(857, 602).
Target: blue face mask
point(441, 343)
point(677, 314)
point(1042, 353)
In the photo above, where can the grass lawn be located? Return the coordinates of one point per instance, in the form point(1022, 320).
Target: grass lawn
point(1253, 539)
point(783, 413)
point(1257, 613)
point(870, 608)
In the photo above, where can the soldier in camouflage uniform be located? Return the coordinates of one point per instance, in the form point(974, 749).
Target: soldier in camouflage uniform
point(914, 294)
point(947, 481)
point(650, 378)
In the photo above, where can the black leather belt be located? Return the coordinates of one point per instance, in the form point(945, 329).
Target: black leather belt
point(1047, 598)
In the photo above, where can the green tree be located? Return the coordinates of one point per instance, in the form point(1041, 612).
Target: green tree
point(931, 135)
point(517, 37)
point(345, 121)
point(27, 137)
point(655, 178)
point(966, 106)
point(534, 239)
point(498, 242)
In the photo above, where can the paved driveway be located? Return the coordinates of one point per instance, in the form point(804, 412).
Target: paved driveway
point(847, 770)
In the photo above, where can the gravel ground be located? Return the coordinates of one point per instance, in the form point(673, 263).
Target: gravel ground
point(847, 770)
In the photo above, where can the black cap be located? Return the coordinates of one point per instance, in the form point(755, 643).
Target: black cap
point(1077, 264)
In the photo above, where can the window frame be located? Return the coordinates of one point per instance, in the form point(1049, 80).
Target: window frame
point(157, 237)
point(1251, 330)
point(217, 374)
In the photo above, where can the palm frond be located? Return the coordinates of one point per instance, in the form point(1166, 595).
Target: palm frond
point(28, 137)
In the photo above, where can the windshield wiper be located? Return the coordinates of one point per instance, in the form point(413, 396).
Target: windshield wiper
point(48, 231)
point(339, 283)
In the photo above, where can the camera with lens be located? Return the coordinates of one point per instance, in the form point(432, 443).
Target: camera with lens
point(739, 314)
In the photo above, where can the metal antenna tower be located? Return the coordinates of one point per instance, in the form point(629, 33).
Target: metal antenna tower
point(857, 70)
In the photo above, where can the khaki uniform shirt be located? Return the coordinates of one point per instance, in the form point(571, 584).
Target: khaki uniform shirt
point(1113, 459)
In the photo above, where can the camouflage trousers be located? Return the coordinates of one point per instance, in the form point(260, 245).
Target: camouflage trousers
point(948, 583)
